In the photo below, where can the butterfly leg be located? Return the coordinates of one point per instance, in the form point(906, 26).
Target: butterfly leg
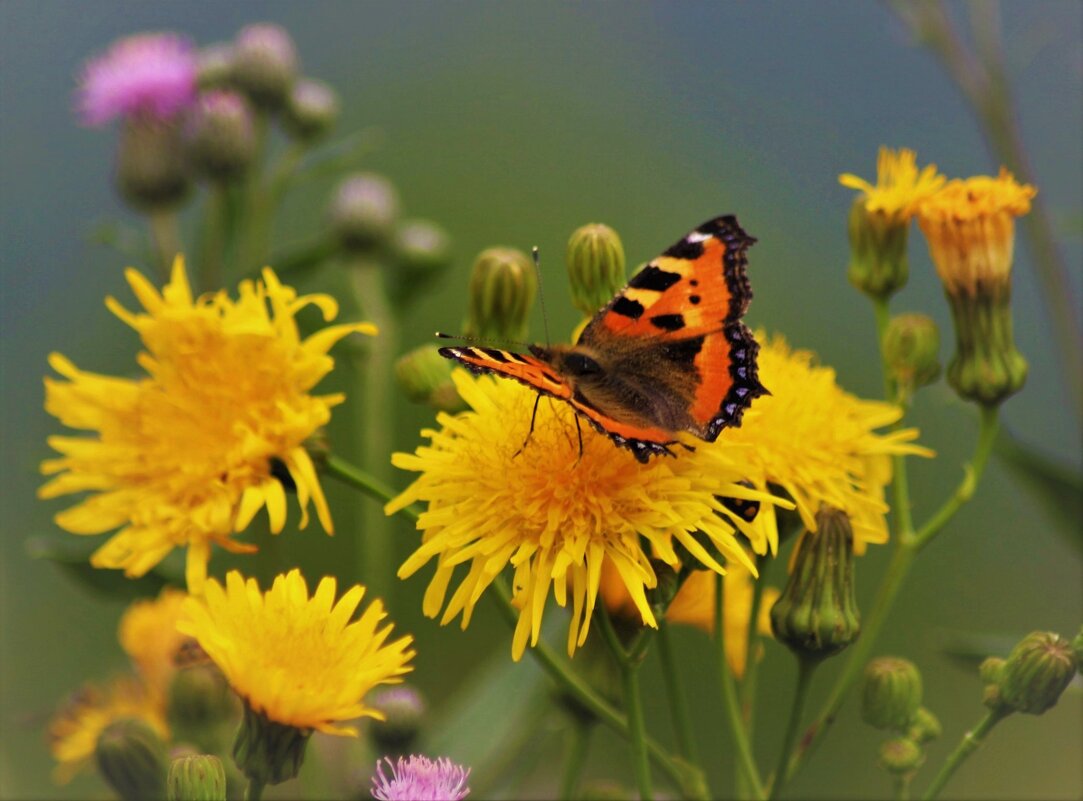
point(530, 433)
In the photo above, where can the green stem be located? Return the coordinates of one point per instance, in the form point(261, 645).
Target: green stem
point(253, 791)
point(376, 420)
point(745, 758)
point(360, 480)
point(969, 744)
point(252, 249)
point(166, 235)
point(747, 685)
point(575, 686)
point(637, 729)
point(576, 758)
point(805, 668)
point(678, 701)
point(987, 434)
point(213, 240)
point(902, 787)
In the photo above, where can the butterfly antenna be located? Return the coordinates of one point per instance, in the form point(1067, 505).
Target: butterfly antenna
point(541, 293)
point(481, 340)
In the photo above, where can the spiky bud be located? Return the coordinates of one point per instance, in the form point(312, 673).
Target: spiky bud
point(197, 778)
point(220, 135)
point(502, 289)
point(891, 693)
point(264, 64)
point(311, 110)
point(420, 246)
point(1036, 672)
point(596, 266)
point(364, 211)
point(152, 172)
point(404, 712)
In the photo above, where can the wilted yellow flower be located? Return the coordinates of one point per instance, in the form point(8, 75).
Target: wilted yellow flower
point(818, 442)
point(296, 660)
point(556, 517)
point(900, 187)
point(74, 730)
point(188, 454)
point(970, 227)
point(148, 634)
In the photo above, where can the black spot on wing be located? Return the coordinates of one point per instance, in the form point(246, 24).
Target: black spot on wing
point(694, 299)
point(628, 308)
point(654, 278)
point(668, 322)
point(683, 353)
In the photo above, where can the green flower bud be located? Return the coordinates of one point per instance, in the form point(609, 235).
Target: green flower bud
point(986, 368)
point(424, 376)
point(364, 211)
point(311, 110)
point(991, 669)
point(131, 757)
point(878, 262)
point(502, 288)
point(595, 260)
point(817, 616)
point(911, 348)
point(220, 135)
point(422, 247)
point(661, 595)
point(891, 693)
point(264, 64)
point(901, 755)
point(200, 704)
point(197, 778)
point(152, 172)
point(404, 712)
point(214, 66)
point(924, 726)
point(268, 752)
point(1036, 672)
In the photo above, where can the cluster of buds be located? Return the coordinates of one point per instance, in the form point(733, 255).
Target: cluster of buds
point(891, 701)
point(1038, 669)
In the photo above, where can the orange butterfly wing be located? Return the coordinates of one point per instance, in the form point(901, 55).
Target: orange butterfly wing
point(694, 293)
point(525, 369)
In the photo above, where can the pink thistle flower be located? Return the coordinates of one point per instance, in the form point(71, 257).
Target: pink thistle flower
point(420, 779)
point(152, 73)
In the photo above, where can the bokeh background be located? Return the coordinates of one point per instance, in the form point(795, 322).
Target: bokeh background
point(513, 123)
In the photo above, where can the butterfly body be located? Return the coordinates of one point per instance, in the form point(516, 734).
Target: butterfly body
point(668, 354)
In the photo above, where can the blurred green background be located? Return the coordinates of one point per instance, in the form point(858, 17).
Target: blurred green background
point(513, 123)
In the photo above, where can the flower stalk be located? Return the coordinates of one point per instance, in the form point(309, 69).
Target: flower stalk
point(678, 699)
point(967, 746)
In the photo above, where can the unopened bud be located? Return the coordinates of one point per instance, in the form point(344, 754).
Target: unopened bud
point(891, 694)
point(152, 170)
point(131, 757)
point(422, 247)
point(878, 262)
point(1036, 672)
point(214, 66)
point(200, 702)
point(502, 288)
point(924, 726)
point(901, 755)
point(911, 351)
point(364, 211)
point(220, 135)
point(596, 266)
point(404, 712)
point(197, 778)
point(817, 616)
point(424, 376)
point(264, 64)
point(661, 595)
point(311, 111)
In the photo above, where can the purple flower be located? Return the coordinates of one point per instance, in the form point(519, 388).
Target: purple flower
point(420, 779)
point(152, 73)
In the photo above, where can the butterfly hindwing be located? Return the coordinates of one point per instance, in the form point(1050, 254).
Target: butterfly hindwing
point(526, 369)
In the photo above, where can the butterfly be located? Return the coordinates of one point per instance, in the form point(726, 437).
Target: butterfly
point(667, 354)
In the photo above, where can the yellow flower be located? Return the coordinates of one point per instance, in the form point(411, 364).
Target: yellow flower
point(818, 442)
point(188, 454)
point(74, 730)
point(148, 634)
point(899, 187)
point(970, 228)
point(556, 517)
point(297, 661)
point(694, 605)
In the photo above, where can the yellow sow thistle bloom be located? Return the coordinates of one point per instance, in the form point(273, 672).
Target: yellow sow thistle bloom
point(185, 456)
point(74, 731)
point(556, 517)
point(818, 442)
point(295, 660)
point(900, 187)
point(970, 228)
point(148, 634)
